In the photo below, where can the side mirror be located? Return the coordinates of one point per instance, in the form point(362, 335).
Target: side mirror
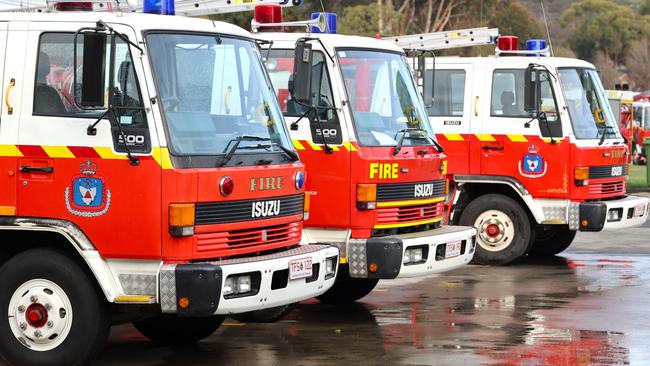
point(531, 88)
point(93, 71)
point(428, 84)
point(301, 91)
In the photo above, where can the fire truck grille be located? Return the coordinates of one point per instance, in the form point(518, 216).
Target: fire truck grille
point(239, 242)
point(608, 188)
point(208, 213)
point(407, 191)
point(407, 214)
point(608, 171)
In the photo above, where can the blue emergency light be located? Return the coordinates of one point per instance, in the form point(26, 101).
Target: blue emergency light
point(535, 45)
point(162, 7)
point(331, 23)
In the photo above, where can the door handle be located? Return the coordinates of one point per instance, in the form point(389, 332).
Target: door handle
point(29, 169)
point(12, 83)
point(492, 147)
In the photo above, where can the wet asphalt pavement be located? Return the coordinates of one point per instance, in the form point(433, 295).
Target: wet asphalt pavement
point(588, 306)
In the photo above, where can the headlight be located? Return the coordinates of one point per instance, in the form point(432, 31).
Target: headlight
point(330, 267)
point(415, 255)
point(241, 285)
point(228, 288)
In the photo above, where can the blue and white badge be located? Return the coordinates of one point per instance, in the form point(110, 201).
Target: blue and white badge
point(88, 195)
point(532, 165)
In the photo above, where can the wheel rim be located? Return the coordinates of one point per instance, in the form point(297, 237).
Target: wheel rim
point(40, 315)
point(495, 230)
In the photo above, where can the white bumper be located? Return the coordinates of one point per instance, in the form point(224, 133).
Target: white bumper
point(266, 293)
point(382, 257)
point(437, 241)
point(627, 207)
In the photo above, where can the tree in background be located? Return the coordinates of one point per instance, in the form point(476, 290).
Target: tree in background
point(601, 25)
point(607, 69)
point(638, 62)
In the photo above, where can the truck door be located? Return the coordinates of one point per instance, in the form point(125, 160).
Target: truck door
point(513, 143)
point(67, 173)
point(450, 112)
point(8, 134)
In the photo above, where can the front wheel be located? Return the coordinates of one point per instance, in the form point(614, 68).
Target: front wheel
point(174, 330)
point(56, 314)
point(346, 289)
point(504, 229)
point(552, 240)
point(270, 315)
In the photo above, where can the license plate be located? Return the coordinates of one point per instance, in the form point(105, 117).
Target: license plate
point(453, 249)
point(300, 268)
point(639, 210)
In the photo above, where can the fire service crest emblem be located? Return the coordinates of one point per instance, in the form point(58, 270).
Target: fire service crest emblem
point(532, 165)
point(88, 195)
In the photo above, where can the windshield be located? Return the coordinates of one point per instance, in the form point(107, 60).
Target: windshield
point(589, 109)
point(213, 91)
point(383, 98)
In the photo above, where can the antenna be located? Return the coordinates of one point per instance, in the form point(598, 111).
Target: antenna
point(548, 34)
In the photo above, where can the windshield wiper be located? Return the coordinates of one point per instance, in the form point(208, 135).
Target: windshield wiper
point(235, 146)
point(290, 153)
point(605, 130)
point(426, 136)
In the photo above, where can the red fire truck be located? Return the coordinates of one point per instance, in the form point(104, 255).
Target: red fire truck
point(376, 172)
point(532, 141)
point(157, 185)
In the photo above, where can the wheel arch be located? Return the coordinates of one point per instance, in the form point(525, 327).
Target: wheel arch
point(474, 186)
point(22, 234)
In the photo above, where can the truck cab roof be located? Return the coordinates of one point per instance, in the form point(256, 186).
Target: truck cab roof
point(331, 41)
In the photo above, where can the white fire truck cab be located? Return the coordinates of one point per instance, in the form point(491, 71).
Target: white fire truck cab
point(146, 177)
point(532, 141)
point(376, 173)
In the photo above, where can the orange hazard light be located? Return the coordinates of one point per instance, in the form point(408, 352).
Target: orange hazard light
point(181, 219)
point(366, 196)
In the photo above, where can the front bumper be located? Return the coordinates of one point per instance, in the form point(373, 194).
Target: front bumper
point(385, 254)
point(622, 213)
point(199, 286)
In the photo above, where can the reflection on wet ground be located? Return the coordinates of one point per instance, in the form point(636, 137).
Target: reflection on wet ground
point(582, 309)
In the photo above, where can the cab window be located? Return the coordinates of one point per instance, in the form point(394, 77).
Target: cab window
point(280, 68)
point(449, 93)
point(54, 89)
point(508, 94)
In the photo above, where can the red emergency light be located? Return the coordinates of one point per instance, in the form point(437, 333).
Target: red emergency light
point(265, 14)
point(74, 6)
point(508, 43)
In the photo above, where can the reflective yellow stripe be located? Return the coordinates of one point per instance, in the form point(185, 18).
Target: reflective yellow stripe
point(392, 226)
point(134, 299)
point(107, 153)
point(548, 140)
point(161, 155)
point(334, 147)
point(297, 145)
point(517, 138)
point(485, 137)
point(7, 211)
point(411, 202)
point(349, 146)
point(58, 151)
point(343, 260)
point(454, 137)
point(313, 146)
point(9, 150)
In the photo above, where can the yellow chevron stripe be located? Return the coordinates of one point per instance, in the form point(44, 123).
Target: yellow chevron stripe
point(517, 138)
point(10, 150)
point(349, 146)
point(454, 137)
point(297, 145)
point(60, 152)
point(392, 226)
point(107, 153)
point(485, 137)
point(548, 140)
point(410, 202)
point(161, 156)
point(313, 146)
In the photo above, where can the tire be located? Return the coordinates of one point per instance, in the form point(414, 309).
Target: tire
point(174, 330)
point(346, 289)
point(71, 315)
point(270, 315)
point(551, 240)
point(504, 229)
